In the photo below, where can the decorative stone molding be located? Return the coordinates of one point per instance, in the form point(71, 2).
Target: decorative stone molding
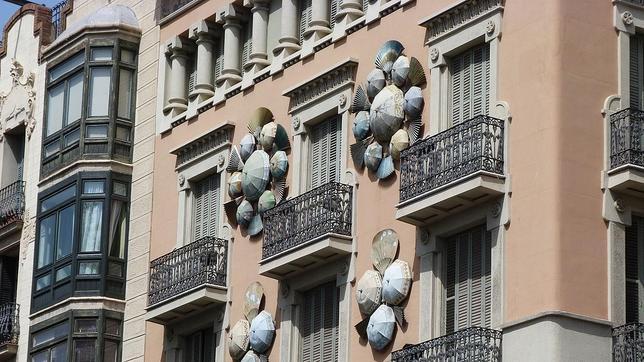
point(433, 54)
point(332, 79)
point(296, 122)
point(459, 15)
point(42, 24)
point(619, 205)
point(204, 144)
point(17, 106)
point(181, 179)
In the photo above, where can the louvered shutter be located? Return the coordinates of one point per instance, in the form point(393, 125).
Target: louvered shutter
point(365, 5)
point(206, 207)
point(219, 58)
point(470, 84)
point(636, 71)
point(192, 75)
point(334, 12)
point(306, 13)
point(319, 324)
point(632, 266)
point(325, 152)
point(248, 44)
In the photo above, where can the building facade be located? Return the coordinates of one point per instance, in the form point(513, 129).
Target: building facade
point(313, 180)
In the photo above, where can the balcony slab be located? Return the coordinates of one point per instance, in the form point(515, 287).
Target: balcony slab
point(8, 352)
point(186, 304)
point(627, 179)
point(306, 256)
point(451, 198)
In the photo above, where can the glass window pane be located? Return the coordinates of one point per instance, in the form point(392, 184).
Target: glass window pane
point(93, 187)
point(41, 357)
point(101, 54)
point(59, 353)
point(57, 71)
point(99, 91)
point(43, 282)
point(114, 269)
point(125, 94)
point(127, 56)
point(55, 200)
point(123, 133)
point(88, 268)
point(120, 189)
point(118, 222)
point(96, 131)
point(46, 241)
point(63, 272)
point(85, 325)
point(75, 98)
point(55, 102)
point(91, 226)
point(111, 351)
point(72, 137)
point(85, 350)
point(50, 334)
point(66, 219)
point(113, 326)
point(52, 148)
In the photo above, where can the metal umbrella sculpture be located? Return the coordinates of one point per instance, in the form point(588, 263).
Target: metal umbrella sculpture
point(258, 171)
point(380, 292)
point(252, 336)
point(388, 113)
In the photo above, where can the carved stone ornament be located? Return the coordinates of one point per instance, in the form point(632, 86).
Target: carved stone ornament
point(182, 179)
point(17, 106)
point(285, 289)
point(296, 122)
point(342, 100)
point(496, 209)
point(619, 205)
point(220, 160)
point(627, 17)
point(490, 27)
point(433, 54)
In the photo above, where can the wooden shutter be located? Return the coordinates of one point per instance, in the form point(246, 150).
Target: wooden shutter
point(334, 12)
point(326, 143)
point(468, 282)
point(248, 44)
point(306, 13)
point(365, 5)
point(632, 265)
point(192, 75)
point(636, 72)
point(206, 207)
point(219, 59)
point(319, 324)
point(470, 84)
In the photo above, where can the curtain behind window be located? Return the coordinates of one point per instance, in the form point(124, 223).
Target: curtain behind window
point(92, 222)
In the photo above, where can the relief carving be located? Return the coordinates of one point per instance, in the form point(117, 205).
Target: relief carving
point(17, 106)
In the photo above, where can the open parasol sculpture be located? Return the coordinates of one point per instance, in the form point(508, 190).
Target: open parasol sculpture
point(251, 337)
point(391, 105)
point(258, 170)
point(380, 292)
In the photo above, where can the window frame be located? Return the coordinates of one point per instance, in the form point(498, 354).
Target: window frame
point(336, 311)
point(311, 126)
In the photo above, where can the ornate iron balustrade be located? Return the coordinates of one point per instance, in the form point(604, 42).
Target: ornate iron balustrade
point(627, 138)
point(9, 323)
point(170, 6)
point(197, 264)
point(628, 342)
point(293, 223)
point(57, 20)
point(469, 344)
point(12, 203)
point(469, 147)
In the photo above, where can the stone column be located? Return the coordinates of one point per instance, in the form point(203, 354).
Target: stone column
point(229, 16)
point(318, 27)
point(289, 40)
point(349, 11)
point(203, 35)
point(177, 93)
point(259, 56)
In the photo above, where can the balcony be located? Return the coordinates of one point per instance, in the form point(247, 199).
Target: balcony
point(9, 330)
point(452, 170)
point(187, 280)
point(626, 161)
point(12, 206)
point(307, 231)
point(628, 342)
point(470, 344)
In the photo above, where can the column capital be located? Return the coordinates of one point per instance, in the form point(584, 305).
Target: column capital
point(176, 47)
point(257, 5)
point(202, 31)
point(230, 15)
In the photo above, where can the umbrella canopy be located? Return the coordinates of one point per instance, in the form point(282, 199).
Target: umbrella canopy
point(387, 113)
point(262, 332)
point(399, 141)
point(244, 213)
point(238, 339)
point(386, 168)
point(387, 55)
point(253, 300)
point(369, 292)
point(246, 146)
point(383, 249)
point(258, 119)
point(267, 136)
point(361, 125)
point(234, 185)
point(375, 82)
point(279, 164)
point(373, 156)
point(281, 138)
point(266, 201)
point(400, 71)
point(255, 226)
point(396, 282)
point(414, 102)
point(381, 327)
point(251, 356)
point(255, 175)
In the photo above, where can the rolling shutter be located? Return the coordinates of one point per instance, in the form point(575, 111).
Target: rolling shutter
point(319, 324)
point(206, 207)
point(324, 161)
point(306, 13)
point(470, 84)
point(334, 12)
point(468, 287)
point(636, 71)
point(633, 246)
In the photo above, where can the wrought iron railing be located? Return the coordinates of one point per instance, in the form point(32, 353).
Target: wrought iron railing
point(12, 203)
point(628, 342)
point(9, 323)
point(462, 150)
point(627, 138)
point(469, 344)
point(197, 264)
point(170, 6)
point(57, 20)
point(324, 210)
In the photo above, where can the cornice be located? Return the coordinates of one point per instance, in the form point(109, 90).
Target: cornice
point(214, 139)
point(458, 15)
